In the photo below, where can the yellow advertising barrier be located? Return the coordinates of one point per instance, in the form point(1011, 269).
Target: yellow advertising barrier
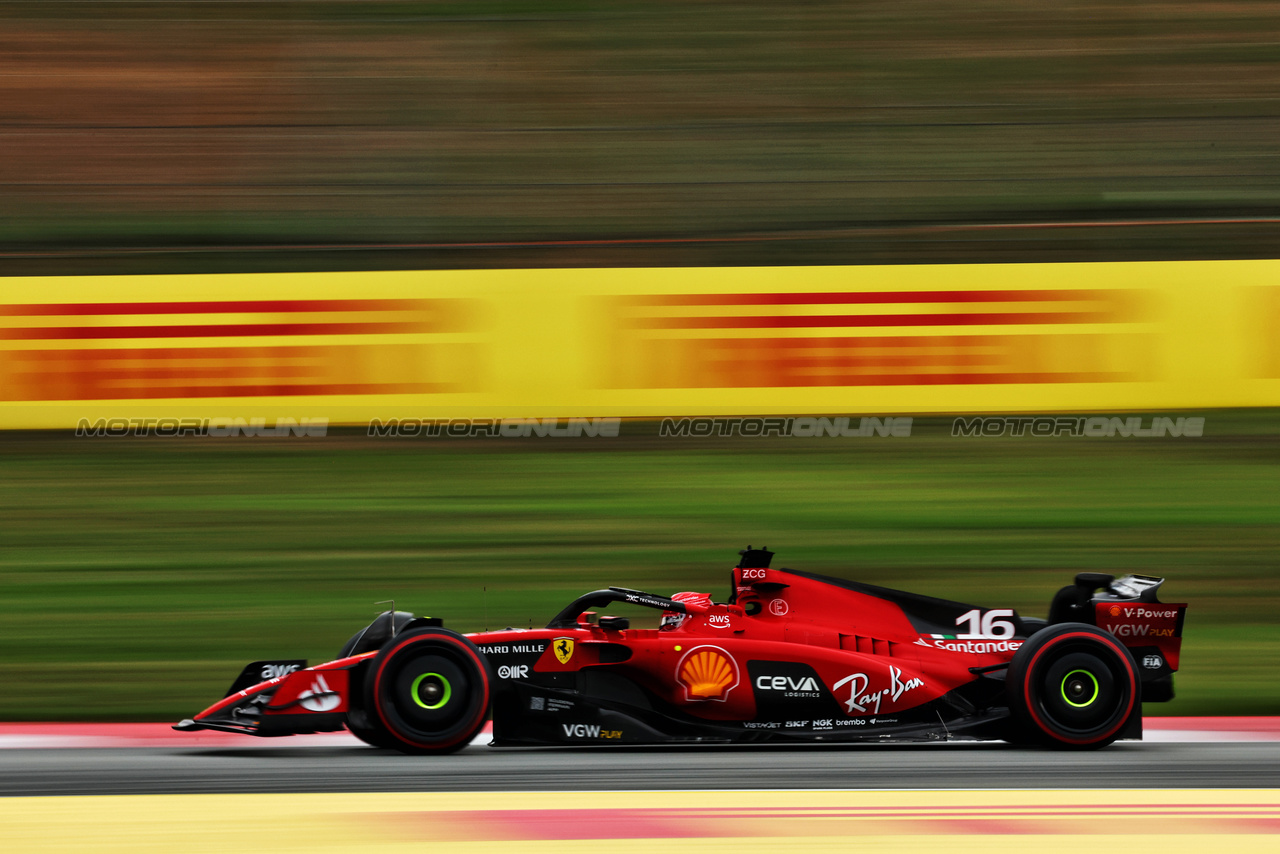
point(354, 347)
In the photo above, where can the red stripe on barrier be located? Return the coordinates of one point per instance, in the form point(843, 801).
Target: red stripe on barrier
point(874, 321)
point(1220, 724)
point(207, 330)
point(99, 309)
point(869, 297)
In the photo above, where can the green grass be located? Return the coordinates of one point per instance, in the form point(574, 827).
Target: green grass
point(138, 576)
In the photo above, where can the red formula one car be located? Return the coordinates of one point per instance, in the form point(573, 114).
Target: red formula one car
point(791, 656)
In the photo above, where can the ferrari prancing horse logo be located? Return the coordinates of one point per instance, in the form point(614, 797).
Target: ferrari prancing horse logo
point(563, 648)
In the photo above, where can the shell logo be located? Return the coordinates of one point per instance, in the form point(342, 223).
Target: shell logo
point(1115, 610)
point(707, 673)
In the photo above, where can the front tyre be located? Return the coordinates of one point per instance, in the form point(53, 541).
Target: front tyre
point(1073, 686)
point(428, 690)
point(366, 728)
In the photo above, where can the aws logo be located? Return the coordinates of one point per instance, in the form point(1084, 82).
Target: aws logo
point(707, 673)
point(275, 671)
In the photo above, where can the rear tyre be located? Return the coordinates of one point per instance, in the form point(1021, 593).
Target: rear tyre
point(1031, 625)
point(1073, 686)
point(428, 690)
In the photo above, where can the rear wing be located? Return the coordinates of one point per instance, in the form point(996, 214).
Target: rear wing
point(1129, 609)
point(1142, 626)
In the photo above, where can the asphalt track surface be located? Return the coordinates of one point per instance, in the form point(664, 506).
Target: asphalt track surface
point(278, 767)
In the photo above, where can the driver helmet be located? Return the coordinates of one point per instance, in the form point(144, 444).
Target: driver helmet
point(673, 619)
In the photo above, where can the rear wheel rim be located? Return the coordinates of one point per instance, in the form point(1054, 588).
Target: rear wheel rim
point(1079, 689)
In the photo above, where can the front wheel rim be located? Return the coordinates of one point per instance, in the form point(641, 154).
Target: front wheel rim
point(434, 694)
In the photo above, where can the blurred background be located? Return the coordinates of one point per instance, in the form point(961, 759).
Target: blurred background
point(203, 136)
point(138, 575)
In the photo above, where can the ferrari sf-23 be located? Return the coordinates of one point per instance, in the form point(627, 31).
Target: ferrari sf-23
point(790, 657)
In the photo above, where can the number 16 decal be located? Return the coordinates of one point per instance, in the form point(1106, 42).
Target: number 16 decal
point(988, 625)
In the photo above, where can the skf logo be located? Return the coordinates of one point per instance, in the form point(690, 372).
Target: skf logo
point(563, 648)
point(707, 673)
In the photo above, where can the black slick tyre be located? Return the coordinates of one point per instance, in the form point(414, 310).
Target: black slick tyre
point(429, 690)
point(366, 728)
point(1073, 686)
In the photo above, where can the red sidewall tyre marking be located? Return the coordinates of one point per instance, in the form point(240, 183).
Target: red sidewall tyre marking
point(1026, 687)
point(474, 657)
